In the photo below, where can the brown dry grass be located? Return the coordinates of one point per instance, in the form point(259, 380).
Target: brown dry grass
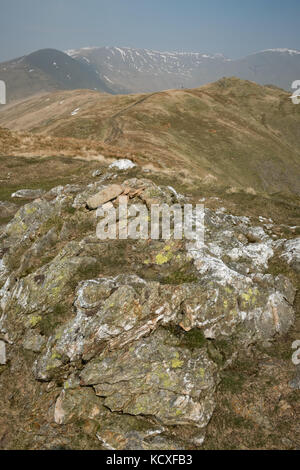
point(242, 134)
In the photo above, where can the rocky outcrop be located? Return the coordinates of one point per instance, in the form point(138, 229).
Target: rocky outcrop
point(291, 253)
point(136, 338)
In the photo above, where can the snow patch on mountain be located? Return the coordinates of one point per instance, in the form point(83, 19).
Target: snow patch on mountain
point(282, 50)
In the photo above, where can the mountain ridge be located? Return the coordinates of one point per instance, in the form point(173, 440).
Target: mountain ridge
point(231, 133)
point(124, 70)
point(146, 70)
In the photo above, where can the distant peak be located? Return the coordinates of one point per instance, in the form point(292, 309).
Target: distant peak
point(282, 50)
point(124, 50)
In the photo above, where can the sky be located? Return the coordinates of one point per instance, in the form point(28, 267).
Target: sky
point(232, 27)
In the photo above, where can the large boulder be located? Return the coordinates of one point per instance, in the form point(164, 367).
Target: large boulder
point(157, 377)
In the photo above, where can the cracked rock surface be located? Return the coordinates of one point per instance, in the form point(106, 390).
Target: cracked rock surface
point(131, 338)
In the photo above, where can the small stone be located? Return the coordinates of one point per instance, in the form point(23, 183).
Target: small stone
point(96, 173)
point(106, 195)
point(2, 353)
point(123, 164)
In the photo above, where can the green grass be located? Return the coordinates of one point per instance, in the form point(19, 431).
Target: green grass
point(182, 275)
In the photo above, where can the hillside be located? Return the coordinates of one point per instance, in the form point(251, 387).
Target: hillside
point(47, 70)
point(126, 70)
point(150, 344)
point(230, 133)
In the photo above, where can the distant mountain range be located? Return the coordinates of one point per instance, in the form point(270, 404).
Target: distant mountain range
point(140, 70)
point(127, 70)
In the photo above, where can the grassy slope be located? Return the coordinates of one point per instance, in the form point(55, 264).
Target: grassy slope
point(241, 133)
point(255, 406)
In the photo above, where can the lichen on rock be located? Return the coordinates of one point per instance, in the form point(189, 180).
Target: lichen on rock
point(127, 335)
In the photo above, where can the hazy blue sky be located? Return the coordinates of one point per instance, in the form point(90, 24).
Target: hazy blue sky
point(233, 27)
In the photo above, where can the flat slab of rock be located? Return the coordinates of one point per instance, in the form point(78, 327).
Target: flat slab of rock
point(2, 353)
point(106, 195)
point(28, 193)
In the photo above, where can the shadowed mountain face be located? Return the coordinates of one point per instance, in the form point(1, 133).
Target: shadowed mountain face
point(230, 133)
point(47, 70)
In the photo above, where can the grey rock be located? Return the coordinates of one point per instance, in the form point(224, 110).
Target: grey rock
point(33, 341)
point(28, 193)
point(47, 286)
point(291, 253)
point(72, 405)
point(156, 377)
point(63, 190)
point(29, 219)
point(97, 173)
point(121, 345)
point(114, 431)
point(118, 310)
